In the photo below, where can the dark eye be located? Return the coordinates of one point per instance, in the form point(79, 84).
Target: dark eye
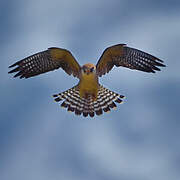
point(92, 69)
point(84, 69)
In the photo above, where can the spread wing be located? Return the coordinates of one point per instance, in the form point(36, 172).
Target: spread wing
point(122, 55)
point(45, 61)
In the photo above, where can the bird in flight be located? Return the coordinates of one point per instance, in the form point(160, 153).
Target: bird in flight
point(88, 97)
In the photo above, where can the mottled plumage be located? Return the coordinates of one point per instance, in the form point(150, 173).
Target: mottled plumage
point(122, 55)
point(45, 61)
point(88, 97)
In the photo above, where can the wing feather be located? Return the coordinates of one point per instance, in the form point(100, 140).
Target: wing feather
point(46, 61)
point(122, 55)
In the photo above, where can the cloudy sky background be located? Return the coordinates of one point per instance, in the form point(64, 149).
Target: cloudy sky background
point(140, 140)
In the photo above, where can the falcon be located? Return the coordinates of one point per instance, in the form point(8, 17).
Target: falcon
point(88, 97)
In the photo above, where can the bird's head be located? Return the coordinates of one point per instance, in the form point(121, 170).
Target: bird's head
point(88, 69)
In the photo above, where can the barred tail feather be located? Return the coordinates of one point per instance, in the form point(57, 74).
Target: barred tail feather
point(106, 100)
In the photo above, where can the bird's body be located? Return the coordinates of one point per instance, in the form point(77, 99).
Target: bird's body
point(88, 97)
point(88, 84)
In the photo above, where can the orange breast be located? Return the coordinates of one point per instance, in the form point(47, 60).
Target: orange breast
point(88, 85)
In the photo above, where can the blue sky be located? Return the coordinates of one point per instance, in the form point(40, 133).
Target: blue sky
point(140, 140)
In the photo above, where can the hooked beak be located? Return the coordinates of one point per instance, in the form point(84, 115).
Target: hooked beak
point(87, 71)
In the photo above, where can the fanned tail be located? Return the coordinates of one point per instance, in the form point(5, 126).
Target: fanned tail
point(105, 101)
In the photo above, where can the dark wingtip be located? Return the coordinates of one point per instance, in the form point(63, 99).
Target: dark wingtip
point(162, 65)
point(18, 74)
point(155, 68)
point(15, 64)
point(12, 65)
point(159, 60)
point(14, 70)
